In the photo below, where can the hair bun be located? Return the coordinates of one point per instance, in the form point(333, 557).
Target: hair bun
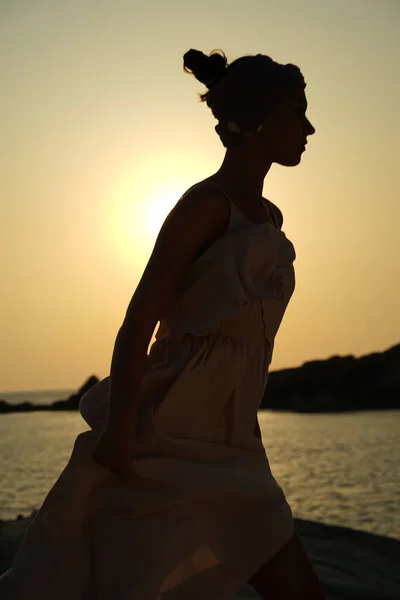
point(206, 69)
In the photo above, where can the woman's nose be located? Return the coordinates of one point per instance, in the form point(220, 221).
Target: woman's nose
point(310, 128)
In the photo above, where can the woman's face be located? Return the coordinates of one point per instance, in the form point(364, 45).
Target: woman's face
point(285, 129)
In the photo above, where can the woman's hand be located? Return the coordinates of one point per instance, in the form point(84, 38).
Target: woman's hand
point(115, 449)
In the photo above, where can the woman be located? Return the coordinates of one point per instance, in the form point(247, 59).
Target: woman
point(170, 494)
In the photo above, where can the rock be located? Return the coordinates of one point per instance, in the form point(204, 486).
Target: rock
point(5, 407)
point(11, 534)
point(352, 565)
point(72, 403)
point(338, 384)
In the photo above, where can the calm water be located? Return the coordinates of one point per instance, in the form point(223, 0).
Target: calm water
point(338, 469)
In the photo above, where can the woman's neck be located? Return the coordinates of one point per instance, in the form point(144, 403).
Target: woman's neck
point(242, 175)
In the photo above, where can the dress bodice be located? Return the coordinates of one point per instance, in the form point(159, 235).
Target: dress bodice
point(239, 287)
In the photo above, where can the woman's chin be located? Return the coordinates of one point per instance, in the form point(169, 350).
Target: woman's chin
point(290, 161)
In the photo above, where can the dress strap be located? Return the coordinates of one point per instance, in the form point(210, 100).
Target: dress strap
point(236, 218)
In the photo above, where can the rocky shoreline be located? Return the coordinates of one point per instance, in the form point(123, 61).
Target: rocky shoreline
point(352, 565)
point(338, 384)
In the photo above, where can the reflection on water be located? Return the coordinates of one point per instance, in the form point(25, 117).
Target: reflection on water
point(338, 469)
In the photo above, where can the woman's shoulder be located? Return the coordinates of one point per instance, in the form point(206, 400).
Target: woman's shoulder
point(202, 211)
point(207, 189)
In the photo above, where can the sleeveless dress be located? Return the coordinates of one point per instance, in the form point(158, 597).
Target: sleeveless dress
point(202, 510)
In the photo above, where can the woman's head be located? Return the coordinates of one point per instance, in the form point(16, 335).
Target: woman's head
point(256, 101)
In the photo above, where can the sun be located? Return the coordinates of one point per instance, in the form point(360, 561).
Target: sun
point(159, 207)
point(135, 217)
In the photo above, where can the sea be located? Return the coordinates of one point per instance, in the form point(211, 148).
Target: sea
point(340, 469)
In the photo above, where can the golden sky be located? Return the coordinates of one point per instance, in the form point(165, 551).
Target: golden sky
point(101, 132)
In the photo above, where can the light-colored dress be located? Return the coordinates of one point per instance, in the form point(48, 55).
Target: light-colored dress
point(202, 510)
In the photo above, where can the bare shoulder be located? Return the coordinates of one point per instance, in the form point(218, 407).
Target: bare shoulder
point(203, 205)
point(199, 218)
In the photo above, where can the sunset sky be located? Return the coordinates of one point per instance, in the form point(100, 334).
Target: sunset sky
point(102, 131)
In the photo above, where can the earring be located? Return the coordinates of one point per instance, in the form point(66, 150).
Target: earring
point(233, 126)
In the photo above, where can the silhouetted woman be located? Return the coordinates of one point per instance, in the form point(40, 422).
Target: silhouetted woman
point(170, 495)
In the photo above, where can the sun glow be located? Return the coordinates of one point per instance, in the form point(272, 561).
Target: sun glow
point(158, 209)
point(136, 216)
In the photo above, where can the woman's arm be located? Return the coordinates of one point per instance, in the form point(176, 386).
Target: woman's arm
point(128, 366)
point(198, 220)
point(257, 430)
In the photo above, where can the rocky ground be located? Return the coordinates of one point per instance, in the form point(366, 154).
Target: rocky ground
point(353, 565)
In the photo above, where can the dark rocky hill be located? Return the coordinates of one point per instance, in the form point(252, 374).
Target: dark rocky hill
point(340, 383)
